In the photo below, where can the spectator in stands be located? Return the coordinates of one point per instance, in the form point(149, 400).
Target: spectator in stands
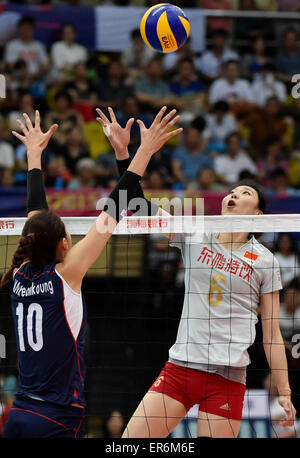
point(85, 170)
point(268, 86)
point(136, 57)
point(190, 158)
point(83, 92)
point(26, 48)
point(228, 166)
point(171, 59)
point(106, 169)
point(74, 149)
point(264, 123)
point(206, 181)
point(26, 105)
point(286, 253)
point(6, 177)
point(112, 89)
point(253, 63)
point(64, 116)
point(151, 90)
point(219, 124)
point(216, 23)
point(154, 180)
point(131, 109)
point(65, 54)
point(188, 89)
point(235, 90)
point(289, 318)
point(271, 160)
point(212, 62)
point(280, 184)
point(19, 78)
point(288, 58)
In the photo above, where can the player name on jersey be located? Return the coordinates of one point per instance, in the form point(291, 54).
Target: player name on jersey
point(40, 288)
point(219, 261)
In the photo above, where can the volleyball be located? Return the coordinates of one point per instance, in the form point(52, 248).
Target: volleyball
point(165, 27)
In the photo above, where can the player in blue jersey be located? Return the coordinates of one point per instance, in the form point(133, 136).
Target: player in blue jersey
point(47, 305)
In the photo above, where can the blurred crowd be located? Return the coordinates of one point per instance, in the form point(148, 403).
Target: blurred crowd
point(239, 116)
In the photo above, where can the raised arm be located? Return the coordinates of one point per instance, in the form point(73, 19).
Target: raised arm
point(83, 255)
point(35, 141)
point(119, 138)
point(275, 353)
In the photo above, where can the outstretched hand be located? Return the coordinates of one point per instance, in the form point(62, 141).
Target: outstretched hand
point(118, 136)
point(159, 132)
point(34, 139)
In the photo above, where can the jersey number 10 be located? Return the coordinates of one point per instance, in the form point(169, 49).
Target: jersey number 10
point(34, 309)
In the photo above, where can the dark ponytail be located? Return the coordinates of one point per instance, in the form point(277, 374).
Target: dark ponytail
point(38, 243)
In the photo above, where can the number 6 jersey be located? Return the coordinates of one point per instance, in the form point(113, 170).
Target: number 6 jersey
point(49, 319)
point(222, 292)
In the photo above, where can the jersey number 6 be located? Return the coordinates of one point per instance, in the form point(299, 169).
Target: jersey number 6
point(33, 309)
point(215, 294)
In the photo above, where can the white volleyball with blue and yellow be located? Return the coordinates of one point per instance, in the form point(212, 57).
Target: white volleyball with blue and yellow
point(165, 27)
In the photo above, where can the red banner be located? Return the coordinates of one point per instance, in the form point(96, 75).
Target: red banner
point(82, 202)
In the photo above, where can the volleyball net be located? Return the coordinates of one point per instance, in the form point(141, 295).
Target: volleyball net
point(135, 293)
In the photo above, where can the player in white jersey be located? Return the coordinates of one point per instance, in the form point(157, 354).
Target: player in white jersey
point(228, 275)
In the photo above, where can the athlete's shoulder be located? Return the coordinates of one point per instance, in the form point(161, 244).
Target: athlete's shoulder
point(265, 255)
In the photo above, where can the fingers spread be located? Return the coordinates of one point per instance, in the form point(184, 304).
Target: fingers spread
point(169, 116)
point(173, 121)
point(102, 116)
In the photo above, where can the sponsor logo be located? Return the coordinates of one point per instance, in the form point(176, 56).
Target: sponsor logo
point(225, 407)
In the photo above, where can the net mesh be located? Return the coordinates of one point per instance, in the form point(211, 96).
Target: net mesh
point(135, 293)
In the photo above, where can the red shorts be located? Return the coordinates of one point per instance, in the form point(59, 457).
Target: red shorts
point(214, 394)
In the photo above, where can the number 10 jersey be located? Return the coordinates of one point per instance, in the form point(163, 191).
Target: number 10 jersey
point(50, 321)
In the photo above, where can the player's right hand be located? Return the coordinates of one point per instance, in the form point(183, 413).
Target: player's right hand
point(34, 139)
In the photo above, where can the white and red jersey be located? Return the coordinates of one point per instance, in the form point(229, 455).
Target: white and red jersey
point(222, 293)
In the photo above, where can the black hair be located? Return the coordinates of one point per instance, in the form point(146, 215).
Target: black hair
point(135, 33)
point(26, 20)
point(38, 243)
point(232, 134)
point(63, 94)
point(262, 201)
point(222, 106)
point(198, 123)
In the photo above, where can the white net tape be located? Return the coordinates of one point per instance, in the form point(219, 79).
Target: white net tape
point(174, 224)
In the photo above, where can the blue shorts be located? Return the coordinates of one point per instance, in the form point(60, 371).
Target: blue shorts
point(32, 418)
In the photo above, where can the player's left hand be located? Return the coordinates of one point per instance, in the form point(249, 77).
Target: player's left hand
point(118, 136)
point(286, 403)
